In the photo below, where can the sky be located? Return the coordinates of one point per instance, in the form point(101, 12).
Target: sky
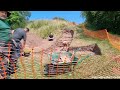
point(72, 16)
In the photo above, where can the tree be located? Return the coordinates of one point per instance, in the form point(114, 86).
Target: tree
point(18, 19)
point(59, 18)
point(103, 20)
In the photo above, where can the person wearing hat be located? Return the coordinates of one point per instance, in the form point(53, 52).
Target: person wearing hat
point(50, 37)
point(5, 38)
point(5, 31)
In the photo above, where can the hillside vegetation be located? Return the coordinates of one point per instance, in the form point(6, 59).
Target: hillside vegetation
point(44, 27)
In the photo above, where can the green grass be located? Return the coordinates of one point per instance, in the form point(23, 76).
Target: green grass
point(97, 65)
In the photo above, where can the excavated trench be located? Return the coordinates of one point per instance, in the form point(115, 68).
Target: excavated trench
point(62, 45)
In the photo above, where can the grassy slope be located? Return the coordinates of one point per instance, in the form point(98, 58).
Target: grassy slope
point(98, 65)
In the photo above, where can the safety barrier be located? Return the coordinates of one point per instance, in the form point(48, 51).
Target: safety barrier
point(103, 35)
point(32, 67)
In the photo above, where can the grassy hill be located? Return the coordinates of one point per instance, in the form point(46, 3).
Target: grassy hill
point(44, 27)
point(93, 67)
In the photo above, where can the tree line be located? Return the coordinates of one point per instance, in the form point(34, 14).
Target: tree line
point(97, 20)
point(18, 19)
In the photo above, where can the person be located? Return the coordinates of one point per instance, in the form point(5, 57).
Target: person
point(51, 37)
point(5, 31)
point(72, 33)
point(5, 38)
point(18, 35)
point(65, 45)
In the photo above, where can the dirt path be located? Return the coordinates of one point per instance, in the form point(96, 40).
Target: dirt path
point(37, 42)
